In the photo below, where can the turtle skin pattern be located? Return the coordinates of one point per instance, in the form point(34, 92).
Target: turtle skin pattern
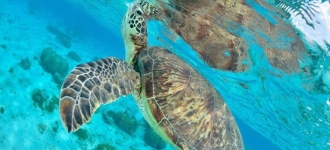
point(92, 84)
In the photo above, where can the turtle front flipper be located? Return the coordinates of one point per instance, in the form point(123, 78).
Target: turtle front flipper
point(92, 84)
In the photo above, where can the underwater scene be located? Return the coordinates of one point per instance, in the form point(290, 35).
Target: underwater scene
point(221, 74)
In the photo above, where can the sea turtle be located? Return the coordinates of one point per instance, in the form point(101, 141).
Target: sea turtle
point(178, 103)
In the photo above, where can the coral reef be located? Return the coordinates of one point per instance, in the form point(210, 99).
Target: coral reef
point(11, 70)
point(3, 46)
point(58, 79)
point(25, 63)
point(41, 127)
point(82, 134)
point(153, 139)
point(74, 56)
point(53, 30)
point(40, 99)
point(107, 117)
point(55, 127)
point(2, 110)
point(104, 147)
point(123, 120)
point(65, 40)
point(6, 38)
point(52, 104)
point(62, 37)
point(54, 64)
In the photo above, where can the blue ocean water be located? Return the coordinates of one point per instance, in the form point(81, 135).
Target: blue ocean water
point(274, 113)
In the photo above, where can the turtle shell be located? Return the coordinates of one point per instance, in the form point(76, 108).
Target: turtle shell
point(182, 106)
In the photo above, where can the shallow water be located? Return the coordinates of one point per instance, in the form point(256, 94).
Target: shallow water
point(274, 109)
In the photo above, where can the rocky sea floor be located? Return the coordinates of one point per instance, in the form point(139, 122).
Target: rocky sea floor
point(38, 49)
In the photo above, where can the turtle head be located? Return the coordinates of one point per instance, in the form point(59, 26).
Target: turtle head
point(151, 9)
point(134, 31)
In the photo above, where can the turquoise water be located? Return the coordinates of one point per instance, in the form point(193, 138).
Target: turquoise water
point(273, 113)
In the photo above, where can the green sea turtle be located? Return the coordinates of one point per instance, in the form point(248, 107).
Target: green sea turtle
point(178, 103)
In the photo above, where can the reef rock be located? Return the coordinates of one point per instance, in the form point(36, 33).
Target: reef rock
point(74, 56)
point(53, 63)
point(25, 63)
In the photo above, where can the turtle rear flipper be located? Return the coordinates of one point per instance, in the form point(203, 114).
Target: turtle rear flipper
point(92, 84)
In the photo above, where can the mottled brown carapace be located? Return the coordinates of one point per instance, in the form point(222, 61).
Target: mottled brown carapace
point(186, 106)
point(213, 28)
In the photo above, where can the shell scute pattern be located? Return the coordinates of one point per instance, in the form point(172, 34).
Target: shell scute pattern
point(184, 105)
